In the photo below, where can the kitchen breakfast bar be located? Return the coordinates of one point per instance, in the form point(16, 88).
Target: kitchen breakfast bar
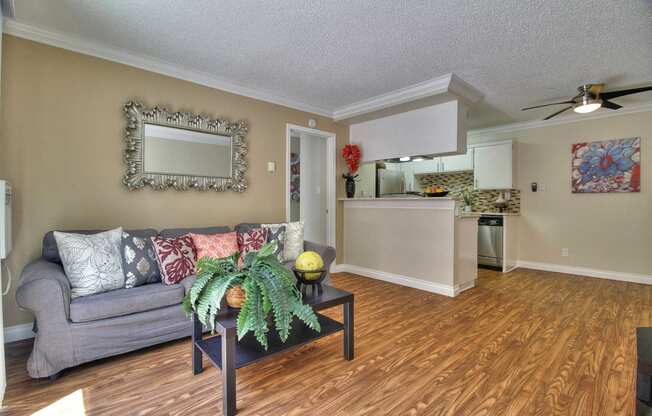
point(424, 243)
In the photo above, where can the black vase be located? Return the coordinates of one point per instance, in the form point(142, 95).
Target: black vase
point(350, 187)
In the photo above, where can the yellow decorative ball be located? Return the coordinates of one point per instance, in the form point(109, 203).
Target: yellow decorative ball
point(309, 260)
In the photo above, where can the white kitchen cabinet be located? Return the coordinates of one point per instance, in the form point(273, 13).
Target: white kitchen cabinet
point(457, 163)
point(425, 166)
point(493, 166)
point(445, 164)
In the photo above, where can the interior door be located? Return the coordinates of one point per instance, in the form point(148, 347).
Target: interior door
point(313, 187)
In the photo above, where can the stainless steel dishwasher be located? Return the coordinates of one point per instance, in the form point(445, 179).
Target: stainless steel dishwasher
point(490, 242)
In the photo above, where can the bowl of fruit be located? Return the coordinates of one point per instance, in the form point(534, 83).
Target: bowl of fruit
point(435, 190)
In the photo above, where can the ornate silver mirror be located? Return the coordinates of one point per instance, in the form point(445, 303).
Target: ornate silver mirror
point(183, 151)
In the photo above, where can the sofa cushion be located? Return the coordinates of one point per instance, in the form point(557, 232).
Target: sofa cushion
point(178, 232)
point(125, 302)
point(245, 227)
point(251, 241)
point(293, 240)
point(276, 232)
point(92, 262)
point(187, 283)
point(216, 246)
point(176, 257)
point(138, 261)
point(50, 250)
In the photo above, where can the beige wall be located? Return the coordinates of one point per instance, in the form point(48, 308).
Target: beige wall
point(602, 231)
point(62, 143)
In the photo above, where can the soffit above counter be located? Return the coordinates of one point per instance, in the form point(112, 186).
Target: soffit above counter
point(426, 119)
point(432, 92)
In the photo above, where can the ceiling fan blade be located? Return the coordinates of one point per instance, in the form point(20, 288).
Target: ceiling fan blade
point(610, 105)
point(546, 105)
point(614, 94)
point(558, 112)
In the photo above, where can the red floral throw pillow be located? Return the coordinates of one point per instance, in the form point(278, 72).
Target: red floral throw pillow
point(217, 246)
point(252, 240)
point(175, 257)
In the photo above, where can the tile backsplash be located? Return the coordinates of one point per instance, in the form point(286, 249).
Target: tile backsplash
point(456, 181)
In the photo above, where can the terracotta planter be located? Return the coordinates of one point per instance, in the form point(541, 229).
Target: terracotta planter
point(235, 296)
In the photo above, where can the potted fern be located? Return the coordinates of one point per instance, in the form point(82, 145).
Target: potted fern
point(269, 289)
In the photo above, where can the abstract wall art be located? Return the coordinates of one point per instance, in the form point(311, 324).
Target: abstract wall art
point(607, 166)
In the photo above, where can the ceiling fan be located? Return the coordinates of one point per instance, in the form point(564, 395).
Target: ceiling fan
point(590, 98)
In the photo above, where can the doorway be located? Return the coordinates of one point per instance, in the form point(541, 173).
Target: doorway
point(310, 182)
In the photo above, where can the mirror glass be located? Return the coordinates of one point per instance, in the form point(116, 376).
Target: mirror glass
point(180, 151)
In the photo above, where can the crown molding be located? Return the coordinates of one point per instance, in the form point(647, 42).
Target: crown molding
point(573, 118)
point(148, 63)
point(449, 83)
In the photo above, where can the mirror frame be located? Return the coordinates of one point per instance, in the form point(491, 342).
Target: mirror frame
point(136, 177)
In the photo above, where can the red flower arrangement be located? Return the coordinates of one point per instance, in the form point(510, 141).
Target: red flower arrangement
point(351, 154)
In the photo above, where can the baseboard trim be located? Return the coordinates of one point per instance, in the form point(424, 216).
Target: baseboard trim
point(463, 287)
point(18, 332)
point(402, 280)
point(588, 272)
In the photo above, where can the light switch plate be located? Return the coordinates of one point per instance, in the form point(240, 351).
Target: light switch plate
point(271, 167)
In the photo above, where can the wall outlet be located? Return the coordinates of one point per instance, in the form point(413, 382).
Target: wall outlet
point(564, 252)
point(542, 187)
point(271, 167)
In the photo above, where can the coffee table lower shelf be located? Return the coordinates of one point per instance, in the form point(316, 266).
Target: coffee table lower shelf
point(248, 350)
point(228, 354)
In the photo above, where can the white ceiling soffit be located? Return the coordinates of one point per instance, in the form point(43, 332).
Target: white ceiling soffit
point(450, 85)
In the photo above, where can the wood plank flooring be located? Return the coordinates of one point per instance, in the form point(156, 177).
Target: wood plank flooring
point(524, 343)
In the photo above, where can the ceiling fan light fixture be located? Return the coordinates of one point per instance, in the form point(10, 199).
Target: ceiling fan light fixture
point(587, 105)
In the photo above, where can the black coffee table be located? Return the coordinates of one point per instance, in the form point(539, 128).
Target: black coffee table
point(227, 353)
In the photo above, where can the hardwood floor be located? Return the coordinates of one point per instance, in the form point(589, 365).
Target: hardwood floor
point(524, 343)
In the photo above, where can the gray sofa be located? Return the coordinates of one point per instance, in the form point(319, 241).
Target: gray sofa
point(72, 332)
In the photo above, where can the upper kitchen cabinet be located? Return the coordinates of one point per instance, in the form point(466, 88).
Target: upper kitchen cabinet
point(457, 163)
point(493, 166)
point(425, 166)
point(445, 164)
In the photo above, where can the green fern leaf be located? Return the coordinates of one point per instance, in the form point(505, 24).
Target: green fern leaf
point(225, 283)
point(199, 285)
point(186, 305)
point(244, 323)
point(306, 314)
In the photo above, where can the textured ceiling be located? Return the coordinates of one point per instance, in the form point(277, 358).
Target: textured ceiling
point(331, 54)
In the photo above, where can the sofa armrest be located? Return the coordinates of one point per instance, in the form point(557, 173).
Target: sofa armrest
point(44, 290)
point(327, 253)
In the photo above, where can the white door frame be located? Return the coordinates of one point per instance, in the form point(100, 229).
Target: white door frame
point(331, 144)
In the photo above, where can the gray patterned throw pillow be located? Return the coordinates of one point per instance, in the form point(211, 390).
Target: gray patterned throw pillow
point(92, 262)
point(138, 261)
point(276, 232)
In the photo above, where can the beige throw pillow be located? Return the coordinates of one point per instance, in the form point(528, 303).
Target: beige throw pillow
point(293, 246)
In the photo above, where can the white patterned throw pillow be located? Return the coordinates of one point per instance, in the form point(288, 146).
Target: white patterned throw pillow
point(293, 246)
point(92, 263)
